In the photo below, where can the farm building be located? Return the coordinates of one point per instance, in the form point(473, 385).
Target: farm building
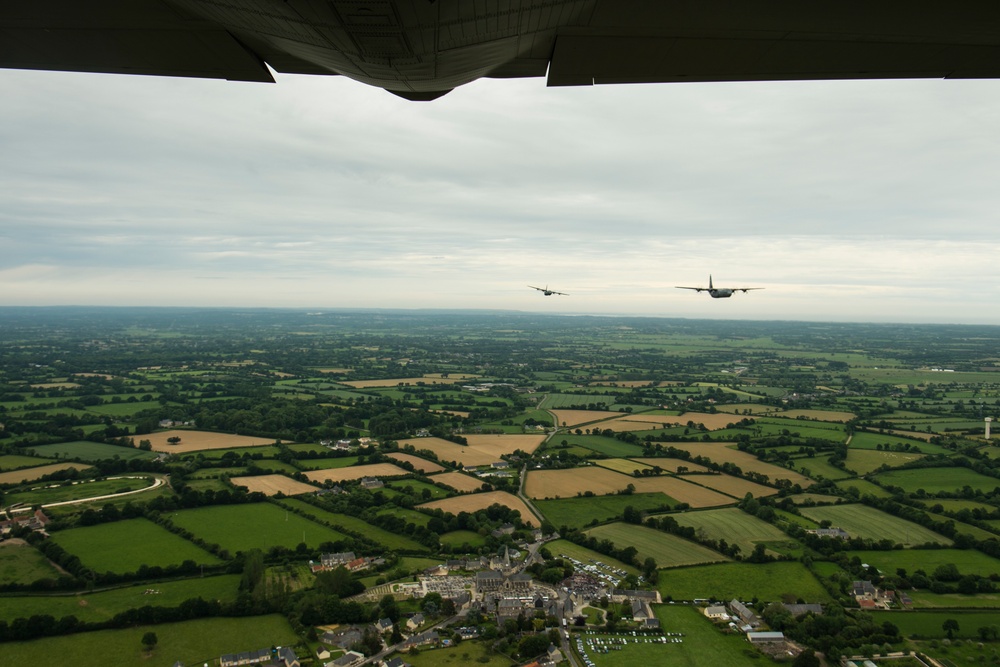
point(765, 637)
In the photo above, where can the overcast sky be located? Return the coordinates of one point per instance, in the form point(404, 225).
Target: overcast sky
point(856, 201)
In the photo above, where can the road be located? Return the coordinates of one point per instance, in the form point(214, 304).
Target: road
point(157, 483)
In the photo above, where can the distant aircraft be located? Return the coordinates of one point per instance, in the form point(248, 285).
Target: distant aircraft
point(422, 49)
point(719, 292)
point(548, 292)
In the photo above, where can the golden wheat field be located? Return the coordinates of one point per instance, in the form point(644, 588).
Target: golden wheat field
point(624, 466)
point(737, 487)
point(31, 474)
point(481, 450)
point(423, 465)
point(193, 441)
point(577, 417)
point(355, 472)
point(720, 452)
point(480, 501)
point(672, 464)
point(639, 423)
point(271, 485)
point(459, 481)
point(569, 482)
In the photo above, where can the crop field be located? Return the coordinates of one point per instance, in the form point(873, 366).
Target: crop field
point(252, 526)
point(31, 474)
point(417, 487)
point(395, 382)
point(819, 466)
point(820, 415)
point(91, 451)
point(459, 538)
point(965, 528)
point(933, 480)
point(570, 482)
point(671, 465)
point(604, 445)
point(968, 561)
point(734, 526)
point(864, 487)
point(504, 444)
point(17, 461)
point(410, 516)
point(721, 452)
point(624, 466)
point(190, 642)
point(769, 582)
point(193, 441)
point(750, 409)
point(956, 504)
point(574, 418)
point(866, 440)
point(867, 522)
point(271, 485)
point(101, 606)
point(356, 472)
point(864, 461)
point(816, 498)
point(459, 481)
point(666, 549)
point(355, 525)
point(585, 555)
point(479, 501)
point(737, 487)
point(637, 423)
point(419, 464)
point(481, 450)
point(326, 463)
point(20, 563)
point(580, 512)
point(125, 546)
point(927, 624)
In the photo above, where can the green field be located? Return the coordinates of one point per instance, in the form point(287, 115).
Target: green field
point(580, 512)
point(585, 555)
point(768, 581)
point(460, 538)
point(466, 653)
point(666, 549)
point(387, 539)
point(416, 488)
point(864, 488)
point(77, 491)
point(818, 467)
point(867, 440)
point(927, 624)
point(265, 451)
point(924, 599)
point(22, 564)
point(968, 561)
point(253, 526)
point(17, 461)
point(736, 527)
point(328, 463)
point(864, 461)
point(102, 606)
point(602, 445)
point(870, 523)
point(933, 480)
point(91, 451)
point(191, 642)
point(407, 515)
point(125, 546)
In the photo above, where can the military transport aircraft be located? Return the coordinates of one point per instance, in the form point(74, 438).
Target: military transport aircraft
point(422, 49)
point(719, 292)
point(548, 292)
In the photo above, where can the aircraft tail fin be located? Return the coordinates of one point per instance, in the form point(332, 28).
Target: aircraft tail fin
point(710, 281)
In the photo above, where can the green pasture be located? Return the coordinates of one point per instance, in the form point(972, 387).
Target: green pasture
point(864, 461)
point(102, 606)
point(736, 527)
point(964, 528)
point(867, 522)
point(869, 440)
point(771, 582)
point(23, 564)
point(17, 462)
point(208, 484)
point(864, 488)
point(968, 561)
point(389, 540)
point(566, 401)
point(123, 409)
point(91, 451)
point(666, 549)
point(955, 505)
point(408, 515)
point(190, 642)
point(416, 488)
point(832, 431)
point(818, 467)
point(312, 448)
point(602, 445)
point(585, 555)
point(580, 512)
point(77, 490)
point(253, 526)
point(265, 451)
point(466, 653)
point(924, 599)
point(125, 546)
point(806, 523)
point(215, 473)
point(927, 624)
point(463, 538)
point(327, 464)
point(932, 480)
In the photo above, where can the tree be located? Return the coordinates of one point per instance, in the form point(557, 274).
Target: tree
point(950, 626)
point(149, 640)
point(806, 659)
point(533, 645)
point(174, 439)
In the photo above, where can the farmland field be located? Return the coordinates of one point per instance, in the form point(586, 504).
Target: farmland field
point(253, 526)
point(933, 480)
point(459, 481)
point(478, 501)
point(571, 482)
point(271, 485)
point(31, 474)
point(91, 451)
point(668, 550)
point(737, 487)
point(327, 463)
point(672, 465)
point(386, 538)
point(410, 516)
point(927, 624)
point(125, 546)
point(467, 653)
point(459, 538)
point(394, 382)
point(419, 464)
point(418, 487)
point(481, 450)
point(20, 563)
point(57, 493)
point(574, 418)
point(867, 522)
point(624, 466)
point(769, 582)
point(356, 472)
point(17, 461)
point(193, 441)
point(820, 415)
point(604, 445)
point(864, 461)
point(585, 555)
point(733, 525)
point(868, 440)
point(863, 487)
point(580, 512)
point(819, 466)
point(723, 452)
point(968, 561)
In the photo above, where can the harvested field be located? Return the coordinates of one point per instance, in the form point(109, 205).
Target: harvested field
point(821, 415)
point(193, 441)
point(271, 485)
point(356, 472)
point(737, 487)
point(480, 501)
point(711, 422)
point(459, 481)
point(653, 418)
point(458, 413)
point(672, 465)
point(917, 435)
point(601, 481)
point(506, 444)
point(481, 450)
point(31, 474)
point(637, 423)
point(433, 378)
point(682, 491)
point(575, 417)
point(624, 466)
point(721, 452)
point(423, 465)
point(752, 409)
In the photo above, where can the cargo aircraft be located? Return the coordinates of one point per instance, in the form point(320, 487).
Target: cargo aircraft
point(422, 49)
point(548, 292)
point(719, 292)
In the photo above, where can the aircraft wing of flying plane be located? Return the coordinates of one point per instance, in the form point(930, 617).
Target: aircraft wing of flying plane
point(548, 292)
point(421, 49)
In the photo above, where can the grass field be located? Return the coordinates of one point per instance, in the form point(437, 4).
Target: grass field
point(265, 451)
point(867, 522)
point(818, 467)
point(23, 564)
point(928, 624)
point(867, 440)
point(602, 445)
point(125, 546)
point(56, 493)
point(459, 538)
point(735, 527)
point(864, 487)
point(102, 606)
point(968, 561)
point(726, 452)
point(770, 582)
point(410, 516)
point(933, 480)
point(864, 461)
point(624, 466)
point(580, 512)
point(416, 488)
point(17, 461)
point(353, 524)
point(327, 463)
point(924, 599)
point(191, 642)
point(466, 653)
point(91, 451)
point(585, 555)
point(419, 464)
point(253, 526)
point(666, 549)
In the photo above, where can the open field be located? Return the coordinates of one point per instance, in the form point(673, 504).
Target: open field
point(31, 474)
point(624, 466)
point(666, 549)
point(271, 485)
point(641, 422)
point(737, 487)
point(419, 464)
point(418, 487)
point(671, 465)
point(253, 526)
point(580, 512)
point(17, 461)
point(585, 555)
point(571, 482)
point(867, 522)
point(769, 582)
point(459, 481)
point(734, 526)
point(927, 624)
point(576, 417)
point(864, 487)
point(193, 441)
point(925, 599)
point(866, 440)
point(409, 516)
point(353, 524)
point(91, 451)
point(395, 382)
point(864, 461)
point(460, 538)
point(23, 564)
point(101, 606)
point(356, 472)
point(816, 467)
point(933, 480)
point(466, 653)
point(481, 450)
point(326, 463)
point(603, 445)
point(479, 501)
point(819, 415)
point(711, 422)
point(125, 546)
point(968, 561)
point(190, 642)
point(722, 452)
point(78, 490)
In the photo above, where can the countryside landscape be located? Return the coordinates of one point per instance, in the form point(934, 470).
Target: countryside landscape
point(292, 487)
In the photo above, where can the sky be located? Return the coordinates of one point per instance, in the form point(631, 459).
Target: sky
point(871, 201)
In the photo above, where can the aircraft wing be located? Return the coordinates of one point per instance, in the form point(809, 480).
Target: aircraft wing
point(421, 50)
point(745, 289)
point(697, 289)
